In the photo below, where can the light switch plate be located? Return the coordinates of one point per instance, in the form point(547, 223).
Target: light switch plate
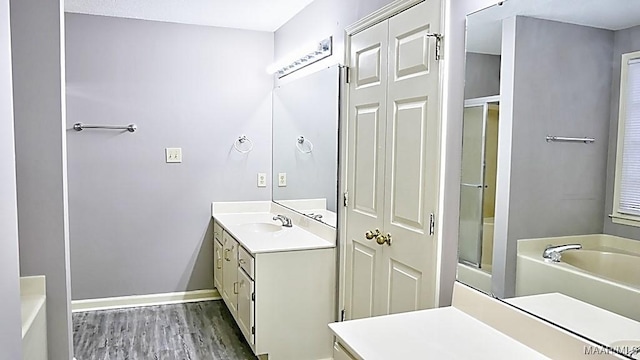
point(262, 180)
point(282, 179)
point(173, 155)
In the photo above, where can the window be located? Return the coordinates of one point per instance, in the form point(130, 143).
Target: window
point(626, 203)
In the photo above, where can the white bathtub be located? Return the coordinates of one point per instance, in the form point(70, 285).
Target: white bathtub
point(606, 273)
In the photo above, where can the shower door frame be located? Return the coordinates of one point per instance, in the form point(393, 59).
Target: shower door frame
point(485, 102)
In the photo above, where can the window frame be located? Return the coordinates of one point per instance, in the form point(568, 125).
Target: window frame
point(617, 217)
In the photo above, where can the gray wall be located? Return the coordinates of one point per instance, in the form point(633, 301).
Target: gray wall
point(482, 75)
point(10, 334)
point(307, 107)
point(38, 89)
point(625, 41)
point(138, 224)
point(560, 85)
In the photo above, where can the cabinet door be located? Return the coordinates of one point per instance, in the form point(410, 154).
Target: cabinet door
point(217, 265)
point(230, 272)
point(245, 305)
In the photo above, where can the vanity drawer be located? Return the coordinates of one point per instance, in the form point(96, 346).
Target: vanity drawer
point(217, 231)
point(246, 261)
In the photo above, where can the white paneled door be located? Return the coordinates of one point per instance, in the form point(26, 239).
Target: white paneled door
point(392, 170)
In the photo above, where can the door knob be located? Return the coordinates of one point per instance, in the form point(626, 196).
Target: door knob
point(370, 235)
point(382, 239)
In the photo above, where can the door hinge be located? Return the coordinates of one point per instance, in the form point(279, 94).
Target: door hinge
point(347, 74)
point(343, 314)
point(253, 296)
point(438, 38)
point(345, 198)
point(432, 224)
point(253, 330)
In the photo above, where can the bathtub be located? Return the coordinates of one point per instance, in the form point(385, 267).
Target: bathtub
point(605, 273)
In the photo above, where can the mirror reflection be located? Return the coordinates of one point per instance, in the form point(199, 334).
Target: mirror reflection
point(305, 144)
point(550, 178)
point(478, 188)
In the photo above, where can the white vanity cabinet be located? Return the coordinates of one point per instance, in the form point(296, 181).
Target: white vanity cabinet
point(282, 301)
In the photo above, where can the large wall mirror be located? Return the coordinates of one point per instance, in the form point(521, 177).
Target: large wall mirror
point(550, 185)
point(305, 144)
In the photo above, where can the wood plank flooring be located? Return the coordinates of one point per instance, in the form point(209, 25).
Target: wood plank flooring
point(194, 331)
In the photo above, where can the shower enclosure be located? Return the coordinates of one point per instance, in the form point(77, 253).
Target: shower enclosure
point(478, 181)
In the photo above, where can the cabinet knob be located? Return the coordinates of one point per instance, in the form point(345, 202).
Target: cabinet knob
point(226, 254)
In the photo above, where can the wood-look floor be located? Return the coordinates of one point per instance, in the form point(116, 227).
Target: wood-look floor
point(194, 331)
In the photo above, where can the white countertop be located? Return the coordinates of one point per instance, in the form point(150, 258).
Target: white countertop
point(287, 239)
point(444, 333)
point(590, 321)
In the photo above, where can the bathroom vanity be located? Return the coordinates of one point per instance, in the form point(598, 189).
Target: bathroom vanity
point(278, 282)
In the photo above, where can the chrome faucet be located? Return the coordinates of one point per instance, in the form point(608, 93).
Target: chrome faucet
point(553, 253)
point(315, 216)
point(286, 222)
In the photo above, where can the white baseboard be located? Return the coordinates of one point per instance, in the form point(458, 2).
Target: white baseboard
point(123, 302)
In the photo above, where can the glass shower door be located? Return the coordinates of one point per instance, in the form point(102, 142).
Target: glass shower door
point(472, 186)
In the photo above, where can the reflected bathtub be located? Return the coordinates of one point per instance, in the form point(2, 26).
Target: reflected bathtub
point(616, 267)
point(605, 273)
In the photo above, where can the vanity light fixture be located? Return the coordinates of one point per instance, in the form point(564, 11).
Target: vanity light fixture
point(321, 50)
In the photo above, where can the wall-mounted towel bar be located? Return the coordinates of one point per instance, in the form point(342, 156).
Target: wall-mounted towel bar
point(81, 126)
point(570, 139)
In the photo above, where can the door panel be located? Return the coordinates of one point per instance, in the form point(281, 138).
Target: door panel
point(365, 194)
point(407, 173)
point(369, 65)
point(412, 152)
point(412, 52)
point(363, 280)
point(404, 288)
point(366, 126)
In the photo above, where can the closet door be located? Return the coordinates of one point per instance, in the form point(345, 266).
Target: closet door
point(411, 160)
point(365, 171)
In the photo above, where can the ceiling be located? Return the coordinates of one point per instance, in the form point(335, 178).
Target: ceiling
point(484, 28)
point(261, 15)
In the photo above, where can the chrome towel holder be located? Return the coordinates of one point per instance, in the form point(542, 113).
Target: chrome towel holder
point(80, 126)
point(300, 143)
point(242, 139)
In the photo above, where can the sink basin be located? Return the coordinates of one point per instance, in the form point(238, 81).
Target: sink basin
point(261, 227)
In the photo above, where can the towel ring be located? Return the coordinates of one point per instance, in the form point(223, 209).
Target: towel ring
point(300, 143)
point(241, 140)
